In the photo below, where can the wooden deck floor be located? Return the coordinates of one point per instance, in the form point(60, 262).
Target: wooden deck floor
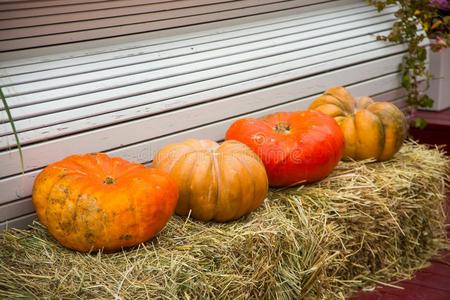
point(433, 282)
point(437, 130)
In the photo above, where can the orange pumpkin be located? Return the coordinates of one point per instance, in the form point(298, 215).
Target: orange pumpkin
point(92, 201)
point(216, 182)
point(371, 129)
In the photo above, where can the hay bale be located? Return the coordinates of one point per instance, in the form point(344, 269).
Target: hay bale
point(367, 223)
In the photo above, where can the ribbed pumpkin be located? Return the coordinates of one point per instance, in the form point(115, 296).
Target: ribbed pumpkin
point(371, 129)
point(92, 201)
point(216, 182)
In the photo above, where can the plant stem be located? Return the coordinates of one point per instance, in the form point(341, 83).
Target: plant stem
point(13, 126)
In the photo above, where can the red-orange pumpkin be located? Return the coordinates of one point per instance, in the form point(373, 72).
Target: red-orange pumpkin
point(294, 147)
point(91, 202)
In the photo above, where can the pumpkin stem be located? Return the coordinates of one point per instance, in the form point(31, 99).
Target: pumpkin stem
point(109, 180)
point(282, 127)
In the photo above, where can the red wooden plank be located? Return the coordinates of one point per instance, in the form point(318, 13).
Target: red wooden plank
point(416, 292)
point(411, 291)
point(443, 257)
point(437, 131)
point(438, 269)
point(433, 117)
point(432, 279)
point(377, 295)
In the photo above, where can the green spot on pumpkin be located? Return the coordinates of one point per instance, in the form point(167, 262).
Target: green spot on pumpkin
point(109, 180)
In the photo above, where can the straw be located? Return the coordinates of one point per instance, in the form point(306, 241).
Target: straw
point(367, 224)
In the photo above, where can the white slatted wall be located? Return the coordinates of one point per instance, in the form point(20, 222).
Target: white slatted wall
point(130, 95)
point(26, 24)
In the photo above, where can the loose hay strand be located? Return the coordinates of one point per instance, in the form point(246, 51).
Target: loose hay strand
point(365, 225)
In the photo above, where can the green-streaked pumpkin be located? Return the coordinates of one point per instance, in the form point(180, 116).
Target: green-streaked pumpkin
point(371, 129)
point(216, 182)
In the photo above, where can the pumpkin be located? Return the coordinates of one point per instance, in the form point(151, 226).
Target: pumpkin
point(371, 129)
point(216, 182)
point(295, 147)
point(91, 202)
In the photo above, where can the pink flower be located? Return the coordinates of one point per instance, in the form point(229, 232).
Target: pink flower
point(441, 41)
point(441, 4)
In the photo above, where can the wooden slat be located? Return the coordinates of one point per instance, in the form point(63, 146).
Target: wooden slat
point(274, 46)
point(390, 95)
point(15, 209)
point(39, 155)
point(55, 36)
point(192, 93)
point(165, 76)
point(184, 45)
point(290, 39)
point(160, 95)
point(42, 8)
point(22, 187)
point(128, 80)
point(114, 44)
point(123, 15)
point(21, 222)
point(95, 20)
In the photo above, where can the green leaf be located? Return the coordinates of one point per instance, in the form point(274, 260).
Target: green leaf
point(380, 5)
point(421, 54)
point(426, 101)
point(13, 126)
point(406, 81)
point(420, 122)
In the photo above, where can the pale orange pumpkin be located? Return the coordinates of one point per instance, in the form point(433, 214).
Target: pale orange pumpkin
point(92, 202)
point(216, 182)
point(371, 129)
